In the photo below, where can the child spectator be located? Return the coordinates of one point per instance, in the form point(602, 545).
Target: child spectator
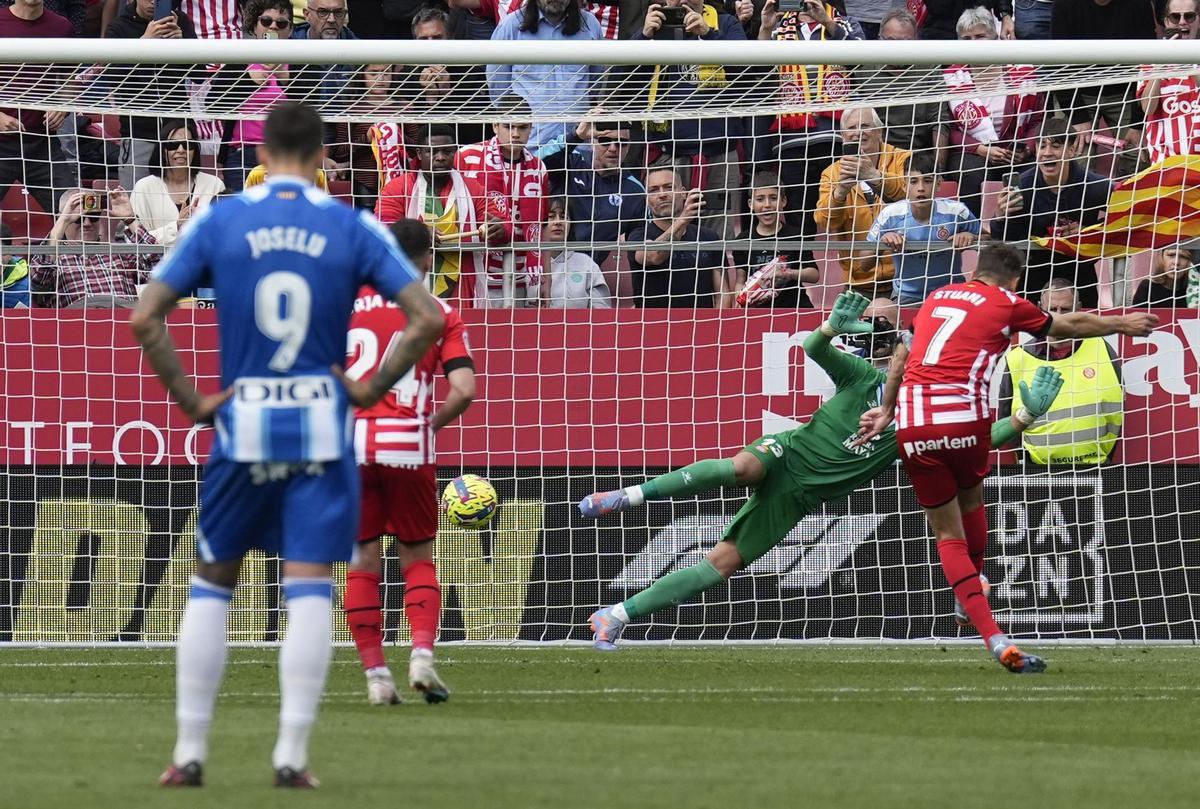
point(1175, 282)
point(780, 272)
point(922, 218)
point(572, 280)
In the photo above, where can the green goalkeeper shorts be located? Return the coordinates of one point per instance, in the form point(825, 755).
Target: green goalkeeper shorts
point(777, 505)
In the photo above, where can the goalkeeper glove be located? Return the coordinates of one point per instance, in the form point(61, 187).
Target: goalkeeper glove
point(844, 319)
point(1037, 399)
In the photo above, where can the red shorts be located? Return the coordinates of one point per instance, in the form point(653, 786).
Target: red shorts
point(399, 501)
point(941, 459)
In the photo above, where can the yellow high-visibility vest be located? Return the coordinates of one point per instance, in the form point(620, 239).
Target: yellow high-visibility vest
point(1085, 420)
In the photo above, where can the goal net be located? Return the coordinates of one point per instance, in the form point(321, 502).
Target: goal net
point(640, 235)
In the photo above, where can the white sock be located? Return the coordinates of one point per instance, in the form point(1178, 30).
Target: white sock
point(303, 665)
point(634, 493)
point(428, 653)
point(378, 671)
point(619, 613)
point(199, 663)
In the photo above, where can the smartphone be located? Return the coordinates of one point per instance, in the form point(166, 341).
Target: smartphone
point(673, 16)
point(793, 5)
point(1012, 180)
point(163, 8)
point(93, 202)
point(850, 149)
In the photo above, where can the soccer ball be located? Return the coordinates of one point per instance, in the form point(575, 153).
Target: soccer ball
point(470, 501)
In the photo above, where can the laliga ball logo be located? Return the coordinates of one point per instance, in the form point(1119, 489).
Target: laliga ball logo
point(470, 501)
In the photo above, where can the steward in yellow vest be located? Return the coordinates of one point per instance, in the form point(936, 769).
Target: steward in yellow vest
point(1084, 421)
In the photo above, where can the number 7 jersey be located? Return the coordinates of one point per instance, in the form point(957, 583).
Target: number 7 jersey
point(396, 430)
point(960, 332)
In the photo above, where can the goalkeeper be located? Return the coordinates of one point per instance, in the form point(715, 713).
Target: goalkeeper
point(792, 473)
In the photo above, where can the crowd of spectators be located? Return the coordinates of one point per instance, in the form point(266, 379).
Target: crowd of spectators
point(915, 184)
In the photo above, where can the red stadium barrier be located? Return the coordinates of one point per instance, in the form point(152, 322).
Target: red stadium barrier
point(624, 388)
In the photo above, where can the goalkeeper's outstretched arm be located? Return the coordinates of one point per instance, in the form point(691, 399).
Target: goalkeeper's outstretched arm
point(843, 319)
point(1036, 401)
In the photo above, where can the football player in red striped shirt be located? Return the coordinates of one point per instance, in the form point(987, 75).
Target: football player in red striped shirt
point(393, 442)
point(943, 422)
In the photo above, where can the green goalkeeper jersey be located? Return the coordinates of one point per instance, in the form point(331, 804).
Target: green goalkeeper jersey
point(818, 454)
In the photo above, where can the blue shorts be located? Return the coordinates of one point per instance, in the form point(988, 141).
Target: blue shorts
point(301, 512)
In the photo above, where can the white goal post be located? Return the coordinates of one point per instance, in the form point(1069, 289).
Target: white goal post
point(597, 368)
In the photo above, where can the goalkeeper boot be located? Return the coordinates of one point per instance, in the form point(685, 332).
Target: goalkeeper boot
point(423, 677)
point(601, 503)
point(189, 775)
point(606, 629)
point(381, 688)
point(295, 779)
point(960, 614)
point(1013, 659)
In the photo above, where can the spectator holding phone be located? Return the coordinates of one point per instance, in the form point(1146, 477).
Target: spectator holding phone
point(671, 271)
point(1057, 197)
point(107, 278)
point(869, 175)
point(139, 133)
point(176, 188)
point(704, 150)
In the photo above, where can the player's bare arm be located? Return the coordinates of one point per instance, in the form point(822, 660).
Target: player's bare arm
point(462, 393)
point(425, 323)
point(1085, 324)
point(149, 326)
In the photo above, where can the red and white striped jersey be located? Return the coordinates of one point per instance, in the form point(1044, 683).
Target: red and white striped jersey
point(1174, 126)
point(214, 19)
point(518, 191)
point(608, 15)
point(395, 431)
point(960, 332)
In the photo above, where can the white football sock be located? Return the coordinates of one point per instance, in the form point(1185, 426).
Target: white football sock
point(619, 612)
point(199, 663)
point(303, 665)
point(426, 653)
point(635, 495)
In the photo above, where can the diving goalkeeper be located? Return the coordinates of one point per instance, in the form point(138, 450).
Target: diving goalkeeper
point(792, 473)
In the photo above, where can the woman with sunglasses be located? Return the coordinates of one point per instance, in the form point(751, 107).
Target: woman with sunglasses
point(176, 188)
point(262, 19)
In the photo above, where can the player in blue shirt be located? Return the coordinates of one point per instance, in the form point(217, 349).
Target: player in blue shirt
point(286, 261)
point(923, 218)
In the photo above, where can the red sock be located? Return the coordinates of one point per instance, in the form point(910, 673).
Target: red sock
point(964, 580)
point(365, 617)
point(976, 526)
point(422, 603)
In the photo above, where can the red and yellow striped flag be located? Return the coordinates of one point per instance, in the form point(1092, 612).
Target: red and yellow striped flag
point(1151, 210)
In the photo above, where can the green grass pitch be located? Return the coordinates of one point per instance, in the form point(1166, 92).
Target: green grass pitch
point(875, 727)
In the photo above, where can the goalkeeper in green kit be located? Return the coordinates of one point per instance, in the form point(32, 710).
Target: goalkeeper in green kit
point(792, 473)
